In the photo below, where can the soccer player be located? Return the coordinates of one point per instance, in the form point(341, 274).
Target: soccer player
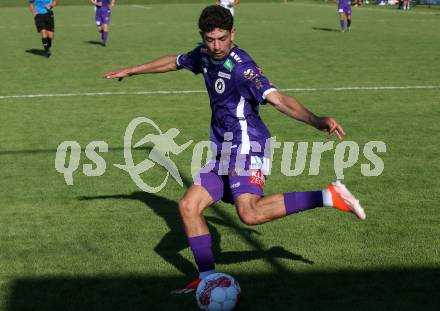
point(102, 17)
point(344, 10)
point(236, 87)
point(228, 4)
point(44, 21)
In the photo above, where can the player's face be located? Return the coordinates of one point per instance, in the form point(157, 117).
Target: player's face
point(219, 42)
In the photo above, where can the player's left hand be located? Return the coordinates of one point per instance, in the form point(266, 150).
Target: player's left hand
point(331, 126)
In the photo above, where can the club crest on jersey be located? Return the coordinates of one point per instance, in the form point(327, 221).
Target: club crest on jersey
point(229, 65)
point(219, 85)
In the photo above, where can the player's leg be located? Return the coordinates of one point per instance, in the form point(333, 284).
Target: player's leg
point(50, 35)
point(348, 22)
point(347, 12)
point(341, 20)
point(50, 28)
point(45, 41)
point(104, 34)
point(191, 207)
point(105, 26)
point(41, 29)
point(98, 21)
point(254, 209)
point(43, 34)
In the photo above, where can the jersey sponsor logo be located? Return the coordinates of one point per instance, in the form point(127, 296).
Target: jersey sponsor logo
point(256, 162)
point(224, 75)
point(219, 86)
point(256, 178)
point(229, 65)
point(236, 57)
point(236, 185)
point(251, 75)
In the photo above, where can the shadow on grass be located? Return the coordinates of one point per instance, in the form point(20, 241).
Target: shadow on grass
point(36, 52)
point(93, 42)
point(326, 29)
point(388, 289)
point(175, 240)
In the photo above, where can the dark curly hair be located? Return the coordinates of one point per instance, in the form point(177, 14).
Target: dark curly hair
point(215, 16)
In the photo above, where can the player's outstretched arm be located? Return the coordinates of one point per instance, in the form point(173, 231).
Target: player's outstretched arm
point(53, 4)
point(32, 8)
point(160, 65)
point(291, 107)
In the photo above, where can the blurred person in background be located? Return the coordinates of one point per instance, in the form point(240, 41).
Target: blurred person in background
point(228, 4)
point(42, 10)
point(102, 16)
point(344, 11)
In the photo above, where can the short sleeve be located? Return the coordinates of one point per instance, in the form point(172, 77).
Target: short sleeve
point(254, 86)
point(190, 61)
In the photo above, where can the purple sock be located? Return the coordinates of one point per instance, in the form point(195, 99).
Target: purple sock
point(104, 37)
point(341, 21)
point(296, 202)
point(202, 252)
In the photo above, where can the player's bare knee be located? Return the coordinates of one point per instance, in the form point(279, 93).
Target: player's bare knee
point(188, 209)
point(249, 215)
point(249, 219)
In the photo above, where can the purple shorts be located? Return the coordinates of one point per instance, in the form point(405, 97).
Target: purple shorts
point(102, 16)
point(226, 180)
point(344, 8)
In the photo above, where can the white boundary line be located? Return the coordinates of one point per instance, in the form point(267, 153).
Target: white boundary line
point(138, 6)
point(335, 89)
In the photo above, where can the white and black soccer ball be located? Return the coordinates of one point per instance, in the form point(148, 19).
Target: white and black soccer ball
point(218, 292)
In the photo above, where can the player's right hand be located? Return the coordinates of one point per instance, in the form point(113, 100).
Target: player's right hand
point(119, 73)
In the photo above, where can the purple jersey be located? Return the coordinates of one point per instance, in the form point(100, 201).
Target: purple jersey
point(102, 16)
point(103, 13)
point(105, 4)
point(344, 7)
point(236, 87)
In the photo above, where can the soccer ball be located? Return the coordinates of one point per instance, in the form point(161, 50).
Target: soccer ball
point(218, 292)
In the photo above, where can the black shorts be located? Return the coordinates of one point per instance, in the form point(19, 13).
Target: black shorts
point(45, 21)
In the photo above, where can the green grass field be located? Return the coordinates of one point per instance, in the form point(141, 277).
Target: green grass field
point(102, 244)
